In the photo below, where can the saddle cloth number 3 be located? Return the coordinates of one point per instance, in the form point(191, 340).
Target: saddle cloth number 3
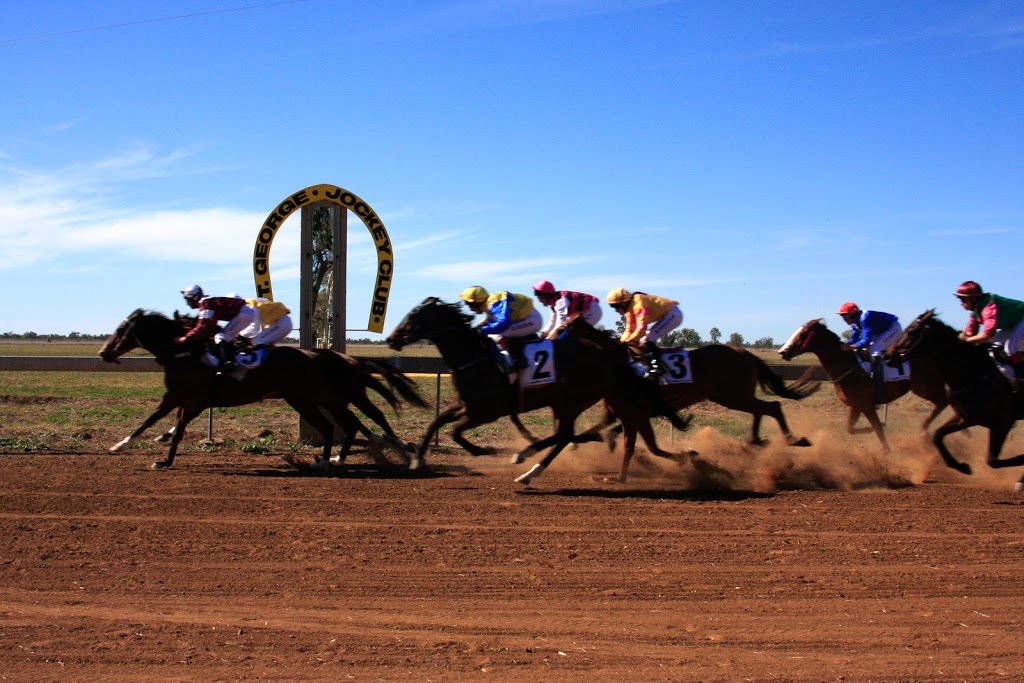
point(676, 366)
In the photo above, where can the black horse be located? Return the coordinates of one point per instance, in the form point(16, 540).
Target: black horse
point(727, 375)
point(855, 387)
point(586, 374)
point(978, 392)
point(309, 381)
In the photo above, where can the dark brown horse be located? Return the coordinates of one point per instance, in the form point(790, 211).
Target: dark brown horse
point(855, 387)
point(585, 374)
point(727, 375)
point(978, 392)
point(309, 381)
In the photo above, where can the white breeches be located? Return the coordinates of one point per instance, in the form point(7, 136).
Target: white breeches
point(274, 333)
point(668, 322)
point(1012, 340)
point(522, 328)
point(882, 342)
point(236, 325)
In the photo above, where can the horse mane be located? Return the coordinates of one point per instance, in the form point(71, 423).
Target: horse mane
point(452, 310)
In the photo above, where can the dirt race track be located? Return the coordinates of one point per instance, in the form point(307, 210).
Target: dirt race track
point(238, 567)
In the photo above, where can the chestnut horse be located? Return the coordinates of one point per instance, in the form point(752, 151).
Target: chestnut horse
point(309, 381)
point(727, 375)
point(585, 374)
point(855, 387)
point(978, 392)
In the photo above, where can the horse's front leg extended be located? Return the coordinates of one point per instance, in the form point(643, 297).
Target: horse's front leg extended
point(561, 438)
point(164, 408)
point(183, 418)
point(953, 425)
point(443, 418)
point(521, 428)
point(996, 439)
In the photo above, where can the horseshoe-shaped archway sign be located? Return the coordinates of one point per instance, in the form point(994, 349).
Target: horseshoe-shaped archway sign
point(350, 201)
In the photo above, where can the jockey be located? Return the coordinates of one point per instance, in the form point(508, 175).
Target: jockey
point(564, 304)
point(510, 317)
point(271, 322)
point(232, 309)
point(648, 319)
point(997, 321)
point(872, 331)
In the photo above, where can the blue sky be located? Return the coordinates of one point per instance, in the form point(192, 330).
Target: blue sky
point(759, 162)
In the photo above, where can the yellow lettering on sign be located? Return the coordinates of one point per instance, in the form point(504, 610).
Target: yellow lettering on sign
point(349, 201)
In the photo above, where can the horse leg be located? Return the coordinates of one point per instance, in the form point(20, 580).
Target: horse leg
point(851, 420)
point(534, 448)
point(937, 408)
point(872, 415)
point(521, 428)
point(184, 417)
point(561, 438)
point(443, 418)
point(374, 413)
point(310, 412)
point(953, 425)
point(996, 439)
point(774, 409)
point(164, 408)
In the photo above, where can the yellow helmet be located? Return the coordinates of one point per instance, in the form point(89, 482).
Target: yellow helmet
point(619, 295)
point(475, 294)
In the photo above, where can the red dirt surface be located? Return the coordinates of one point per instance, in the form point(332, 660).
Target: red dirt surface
point(818, 564)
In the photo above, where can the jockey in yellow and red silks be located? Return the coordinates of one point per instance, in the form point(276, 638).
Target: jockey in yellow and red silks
point(648, 317)
point(510, 317)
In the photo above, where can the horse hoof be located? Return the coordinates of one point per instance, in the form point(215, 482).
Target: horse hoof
point(115, 449)
point(159, 465)
point(524, 479)
point(162, 438)
point(802, 442)
point(962, 468)
point(517, 459)
point(415, 464)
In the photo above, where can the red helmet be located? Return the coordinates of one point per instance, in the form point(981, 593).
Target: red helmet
point(544, 287)
point(848, 307)
point(969, 288)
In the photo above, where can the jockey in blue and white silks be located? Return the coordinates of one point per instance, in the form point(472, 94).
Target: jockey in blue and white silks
point(872, 331)
point(510, 318)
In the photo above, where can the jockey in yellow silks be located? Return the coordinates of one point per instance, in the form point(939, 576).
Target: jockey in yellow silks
point(648, 318)
point(271, 324)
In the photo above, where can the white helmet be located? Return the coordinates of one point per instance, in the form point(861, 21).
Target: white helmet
point(192, 292)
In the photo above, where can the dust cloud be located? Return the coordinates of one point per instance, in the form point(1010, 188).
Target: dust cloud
point(834, 461)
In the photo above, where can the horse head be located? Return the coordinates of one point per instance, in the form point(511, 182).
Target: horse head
point(926, 334)
point(141, 329)
point(430, 318)
point(122, 340)
point(807, 339)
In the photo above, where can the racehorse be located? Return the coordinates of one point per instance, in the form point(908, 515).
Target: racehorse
point(585, 375)
point(855, 387)
point(727, 375)
point(978, 392)
point(309, 381)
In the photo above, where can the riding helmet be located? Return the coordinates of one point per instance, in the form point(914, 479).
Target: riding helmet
point(848, 308)
point(544, 287)
point(619, 295)
point(968, 289)
point(475, 294)
point(192, 292)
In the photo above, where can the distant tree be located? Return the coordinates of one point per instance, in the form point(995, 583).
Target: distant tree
point(846, 334)
point(764, 343)
point(686, 336)
point(620, 326)
point(736, 339)
point(716, 335)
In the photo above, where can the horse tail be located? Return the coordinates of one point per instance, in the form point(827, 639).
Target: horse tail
point(774, 384)
point(396, 379)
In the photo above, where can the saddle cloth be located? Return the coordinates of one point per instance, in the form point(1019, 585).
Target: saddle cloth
point(540, 369)
point(900, 373)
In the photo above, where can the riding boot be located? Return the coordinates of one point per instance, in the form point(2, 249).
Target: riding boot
point(226, 353)
point(515, 346)
point(652, 355)
point(878, 374)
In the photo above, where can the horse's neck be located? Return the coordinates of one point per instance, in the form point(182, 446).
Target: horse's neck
point(961, 364)
point(836, 361)
point(459, 348)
